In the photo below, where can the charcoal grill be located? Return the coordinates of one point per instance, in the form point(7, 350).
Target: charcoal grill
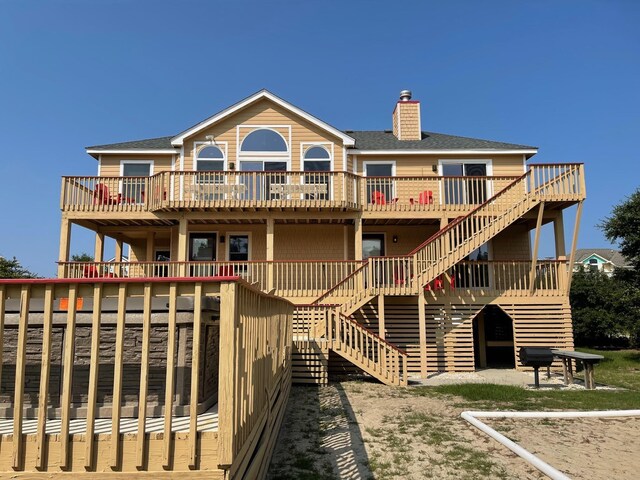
point(536, 357)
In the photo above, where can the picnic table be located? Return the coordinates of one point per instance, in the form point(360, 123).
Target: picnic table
point(588, 361)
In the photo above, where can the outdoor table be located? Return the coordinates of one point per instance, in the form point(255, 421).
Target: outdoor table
point(588, 361)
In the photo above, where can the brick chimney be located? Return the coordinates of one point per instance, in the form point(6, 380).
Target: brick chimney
point(406, 118)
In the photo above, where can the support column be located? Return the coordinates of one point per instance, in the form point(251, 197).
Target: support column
point(381, 321)
point(65, 241)
point(536, 244)
point(183, 228)
point(358, 238)
point(558, 232)
point(151, 237)
point(271, 226)
point(574, 244)
point(98, 252)
point(422, 324)
point(119, 245)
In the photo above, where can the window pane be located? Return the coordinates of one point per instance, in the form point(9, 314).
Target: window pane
point(238, 248)
point(136, 169)
point(317, 166)
point(210, 165)
point(202, 247)
point(475, 170)
point(210, 152)
point(379, 169)
point(263, 140)
point(454, 170)
point(316, 152)
point(275, 166)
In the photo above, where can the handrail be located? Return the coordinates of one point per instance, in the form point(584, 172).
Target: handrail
point(372, 333)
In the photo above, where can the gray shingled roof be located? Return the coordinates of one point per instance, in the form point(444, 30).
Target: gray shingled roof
point(608, 254)
point(386, 140)
point(160, 143)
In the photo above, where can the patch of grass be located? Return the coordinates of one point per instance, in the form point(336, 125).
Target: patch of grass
point(493, 396)
point(472, 462)
point(619, 367)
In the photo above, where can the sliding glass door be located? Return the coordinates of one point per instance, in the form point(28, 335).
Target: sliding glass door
point(465, 183)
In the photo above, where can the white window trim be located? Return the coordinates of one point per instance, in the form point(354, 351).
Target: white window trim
point(378, 162)
point(263, 156)
point(229, 234)
point(328, 146)
point(197, 146)
point(123, 162)
point(190, 232)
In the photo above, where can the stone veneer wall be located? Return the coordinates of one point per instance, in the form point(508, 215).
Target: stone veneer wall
point(132, 353)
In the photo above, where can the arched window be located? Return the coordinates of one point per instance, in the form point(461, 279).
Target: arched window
point(210, 158)
point(264, 140)
point(317, 159)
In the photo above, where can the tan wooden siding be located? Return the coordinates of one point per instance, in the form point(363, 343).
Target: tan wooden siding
point(512, 244)
point(265, 112)
point(110, 164)
point(309, 242)
point(422, 165)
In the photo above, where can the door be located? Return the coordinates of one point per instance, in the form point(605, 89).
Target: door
point(372, 245)
point(239, 252)
point(458, 189)
point(162, 270)
point(258, 186)
point(202, 248)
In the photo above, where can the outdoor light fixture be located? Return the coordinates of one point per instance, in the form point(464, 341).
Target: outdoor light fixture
point(434, 168)
point(395, 239)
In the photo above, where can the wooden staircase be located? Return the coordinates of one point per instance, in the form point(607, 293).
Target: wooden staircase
point(409, 274)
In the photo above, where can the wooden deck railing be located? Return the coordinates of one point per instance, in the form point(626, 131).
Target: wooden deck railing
point(342, 190)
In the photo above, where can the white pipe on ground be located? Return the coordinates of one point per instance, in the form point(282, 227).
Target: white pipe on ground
point(544, 467)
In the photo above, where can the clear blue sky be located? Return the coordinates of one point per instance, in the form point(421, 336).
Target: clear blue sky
point(563, 76)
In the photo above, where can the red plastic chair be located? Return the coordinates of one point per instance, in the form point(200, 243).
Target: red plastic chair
point(225, 271)
point(425, 198)
point(378, 198)
point(101, 195)
point(438, 284)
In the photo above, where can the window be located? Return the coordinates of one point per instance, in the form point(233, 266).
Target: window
point(593, 264)
point(239, 248)
point(263, 150)
point(202, 248)
point(162, 270)
point(317, 159)
point(210, 159)
point(380, 182)
point(133, 187)
point(264, 140)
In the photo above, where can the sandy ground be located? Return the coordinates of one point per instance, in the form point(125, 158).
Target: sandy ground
point(593, 448)
point(360, 430)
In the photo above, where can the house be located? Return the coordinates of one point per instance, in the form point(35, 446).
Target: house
point(266, 246)
point(601, 259)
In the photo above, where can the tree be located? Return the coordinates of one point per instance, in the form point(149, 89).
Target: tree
point(82, 257)
point(13, 269)
point(623, 227)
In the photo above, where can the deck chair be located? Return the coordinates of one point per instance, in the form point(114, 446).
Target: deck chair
point(101, 196)
point(424, 198)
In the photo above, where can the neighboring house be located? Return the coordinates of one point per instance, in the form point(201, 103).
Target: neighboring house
point(602, 259)
point(265, 246)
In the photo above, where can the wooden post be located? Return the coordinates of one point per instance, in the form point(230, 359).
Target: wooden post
point(183, 228)
point(270, 252)
point(381, 324)
point(25, 297)
point(67, 376)
point(116, 404)
point(150, 245)
point(144, 377)
point(227, 368)
point(195, 375)
point(119, 248)
point(45, 368)
point(98, 251)
point(358, 238)
point(65, 241)
point(558, 232)
point(93, 374)
point(170, 377)
point(2, 304)
point(536, 244)
point(422, 325)
point(574, 244)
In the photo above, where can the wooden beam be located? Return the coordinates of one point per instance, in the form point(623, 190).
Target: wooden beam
point(119, 247)
point(358, 238)
point(67, 376)
point(381, 321)
point(270, 251)
point(422, 326)
point(183, 232)
point(93, 375)
point(170, 377)
point(195, 376)
point(21, 358)
point(144, 378)
point(227, 369)
point(116, 404)
point(45, 369)
point(574, 245)
point(151, 236)
point(536, 244)
point(558, 233)
point(2, 305)
point(98, 251)
point(65, 240)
